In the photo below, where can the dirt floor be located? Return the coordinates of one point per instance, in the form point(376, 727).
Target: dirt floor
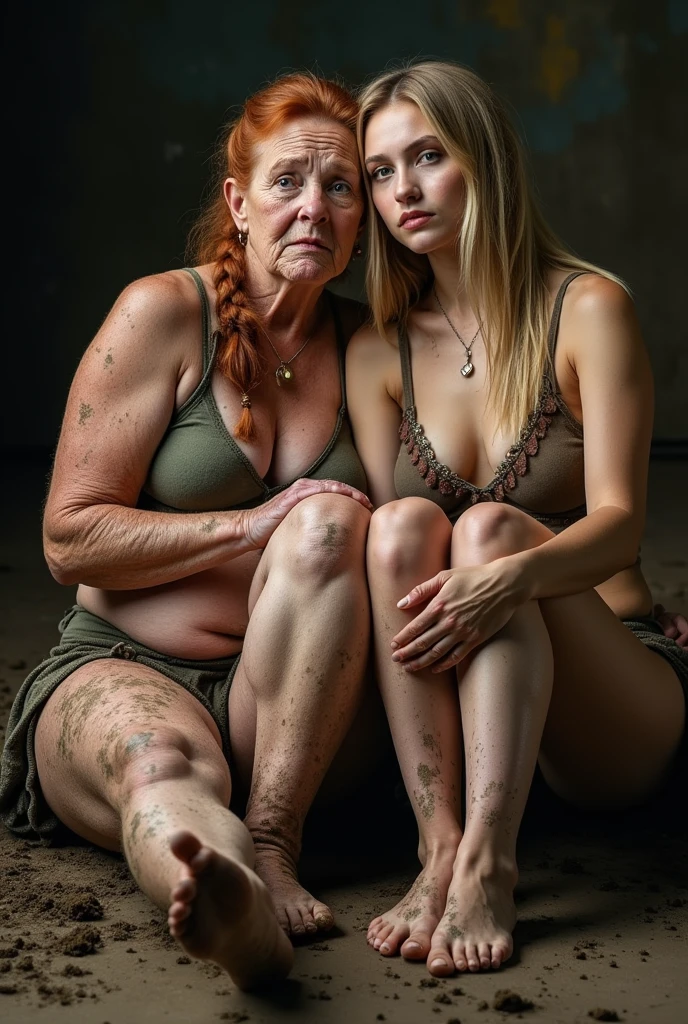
point(603, 901)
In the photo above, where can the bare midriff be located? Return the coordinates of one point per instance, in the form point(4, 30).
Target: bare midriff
point(200, 616)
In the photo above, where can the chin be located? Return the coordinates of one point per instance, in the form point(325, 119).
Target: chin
point(309, 268)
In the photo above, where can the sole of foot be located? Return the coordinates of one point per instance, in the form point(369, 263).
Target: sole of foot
point(221, 911)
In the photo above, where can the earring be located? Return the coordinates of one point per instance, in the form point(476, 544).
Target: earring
point(357, 251)
point(243, 238)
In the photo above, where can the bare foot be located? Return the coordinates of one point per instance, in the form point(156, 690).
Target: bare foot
point(297, 911)
point(475, 930)
point(408, 926)
point(221, 911)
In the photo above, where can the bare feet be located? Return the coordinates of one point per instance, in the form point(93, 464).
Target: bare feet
point(297, 911)
point(475, 931)
point(407, 928)
point(221, 911)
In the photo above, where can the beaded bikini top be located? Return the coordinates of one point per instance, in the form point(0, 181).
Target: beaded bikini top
point(552, 490)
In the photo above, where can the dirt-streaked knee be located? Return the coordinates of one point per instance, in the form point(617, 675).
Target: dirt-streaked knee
point(324, 535)
point(145, 756)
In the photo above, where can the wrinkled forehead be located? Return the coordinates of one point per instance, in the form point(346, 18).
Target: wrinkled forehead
point(309, 142)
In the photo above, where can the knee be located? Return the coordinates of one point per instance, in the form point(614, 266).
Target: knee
point(490, 529)
point(324, 535)
point(399, 535)
point(142, 757)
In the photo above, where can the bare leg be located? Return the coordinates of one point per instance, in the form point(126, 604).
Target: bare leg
point(408, 543)
point(613, 723)
point(118, 774)
point(299, 684)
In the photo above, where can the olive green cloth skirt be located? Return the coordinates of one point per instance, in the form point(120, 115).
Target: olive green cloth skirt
point(87, 638)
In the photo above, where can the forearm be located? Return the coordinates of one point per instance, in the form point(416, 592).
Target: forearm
point(580, 558)
point(119, 548)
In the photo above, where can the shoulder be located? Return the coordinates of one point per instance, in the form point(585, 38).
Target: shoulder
point(162, 302)
point(599, 327)
point(592, 299)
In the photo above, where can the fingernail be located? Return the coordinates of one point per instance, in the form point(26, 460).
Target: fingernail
point(394, 645)
point(396, 657)
point(402, 603)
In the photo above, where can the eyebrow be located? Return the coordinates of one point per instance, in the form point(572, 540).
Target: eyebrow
point(416, 144)
point(335, 166)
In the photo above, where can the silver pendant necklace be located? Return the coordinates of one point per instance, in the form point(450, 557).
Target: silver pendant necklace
point(467, 368)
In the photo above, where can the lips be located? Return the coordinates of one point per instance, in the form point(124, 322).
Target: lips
point(315, 243)
point(411, 219)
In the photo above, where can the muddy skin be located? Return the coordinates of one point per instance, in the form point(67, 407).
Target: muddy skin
point(407, 928)
point(85, 413)
point(276, 833)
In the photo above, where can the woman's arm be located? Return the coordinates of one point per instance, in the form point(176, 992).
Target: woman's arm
point(143, 361)
point(374, 413)
point(601, 335)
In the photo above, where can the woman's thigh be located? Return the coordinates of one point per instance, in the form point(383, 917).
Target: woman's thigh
point(617, 712)
point(91, 729)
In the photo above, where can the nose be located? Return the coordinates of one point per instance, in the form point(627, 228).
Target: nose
point(314, 207)
point(406, 189)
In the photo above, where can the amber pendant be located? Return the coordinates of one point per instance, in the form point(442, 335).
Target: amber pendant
point(467, 369)
point(283, 373)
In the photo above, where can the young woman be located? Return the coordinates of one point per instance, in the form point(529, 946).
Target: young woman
point(502, 406)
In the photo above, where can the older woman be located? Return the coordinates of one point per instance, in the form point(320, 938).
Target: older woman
point(503, 410)
point(207, 500)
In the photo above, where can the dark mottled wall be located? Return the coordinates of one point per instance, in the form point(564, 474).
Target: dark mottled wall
point(112, 109)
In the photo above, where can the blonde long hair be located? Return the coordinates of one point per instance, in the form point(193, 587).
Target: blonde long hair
point(504, 246)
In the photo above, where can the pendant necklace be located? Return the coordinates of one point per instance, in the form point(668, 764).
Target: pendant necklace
point(467, 368)
point(284, 371)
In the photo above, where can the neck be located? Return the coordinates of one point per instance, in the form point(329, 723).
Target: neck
point(288, 309)
point(448, 284)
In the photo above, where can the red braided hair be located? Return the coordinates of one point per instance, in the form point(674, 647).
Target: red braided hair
point(215, 238)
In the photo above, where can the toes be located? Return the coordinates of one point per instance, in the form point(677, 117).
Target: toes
point(373, 929)
point(460, 961)
point(323, 917)
point(440, 964)
point(184, 845)
point(416, 947)
point(484, 956)
point(391, 944)
point(295, 925)
point(472, 957)
point(500, 953)
point(184, 891)
point(382, 935)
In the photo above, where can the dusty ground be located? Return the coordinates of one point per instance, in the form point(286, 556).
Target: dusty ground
point(603, 902)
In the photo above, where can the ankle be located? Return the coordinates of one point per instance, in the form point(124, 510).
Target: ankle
point(433, 849)
point(492, 865)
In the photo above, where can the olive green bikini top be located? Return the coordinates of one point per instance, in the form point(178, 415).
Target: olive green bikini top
point(542, 473)
point(199, 467)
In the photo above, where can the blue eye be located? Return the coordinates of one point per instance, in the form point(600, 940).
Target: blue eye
point(432, 154)
point(285, 182)
point(342, 188)
point(381, 172)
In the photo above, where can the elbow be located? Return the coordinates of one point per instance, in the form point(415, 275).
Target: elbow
point(61, 558)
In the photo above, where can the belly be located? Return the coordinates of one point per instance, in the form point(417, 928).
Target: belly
point(201, 616)
point(627, 593)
